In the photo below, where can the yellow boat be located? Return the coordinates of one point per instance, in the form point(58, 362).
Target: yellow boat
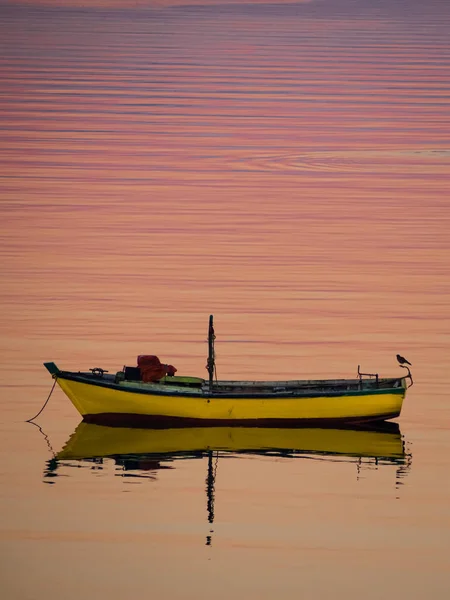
point(98, 441)
point(127, 398)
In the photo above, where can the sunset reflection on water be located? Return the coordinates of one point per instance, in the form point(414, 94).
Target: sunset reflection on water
point(283, 166)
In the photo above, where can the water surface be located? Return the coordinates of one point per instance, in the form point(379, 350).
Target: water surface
point(286, 167)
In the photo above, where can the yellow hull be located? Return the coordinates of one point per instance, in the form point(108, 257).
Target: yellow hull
point(89, 441)
point(99, 403)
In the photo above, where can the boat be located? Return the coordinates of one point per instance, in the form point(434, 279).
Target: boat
point(90, 441)
point(151, 394)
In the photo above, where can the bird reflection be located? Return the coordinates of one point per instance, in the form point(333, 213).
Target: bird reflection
point(404, 466)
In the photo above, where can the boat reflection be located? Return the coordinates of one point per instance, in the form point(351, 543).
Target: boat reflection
point(142, 453)
point(145, 449)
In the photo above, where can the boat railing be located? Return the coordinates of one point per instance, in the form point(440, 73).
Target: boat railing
point(304, 386)
point(409, 376)
point(369, 375)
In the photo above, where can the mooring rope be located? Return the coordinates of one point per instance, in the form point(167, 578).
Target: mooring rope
point(46, 438)
point(45, 404)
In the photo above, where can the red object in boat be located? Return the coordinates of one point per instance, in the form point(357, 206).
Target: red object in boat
point(152, 369)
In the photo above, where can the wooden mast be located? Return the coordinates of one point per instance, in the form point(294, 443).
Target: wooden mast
point(210, 365)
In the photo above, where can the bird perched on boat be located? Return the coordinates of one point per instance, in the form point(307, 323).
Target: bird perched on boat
point(403, 360)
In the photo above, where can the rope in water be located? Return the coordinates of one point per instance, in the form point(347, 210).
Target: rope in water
point(45, 404)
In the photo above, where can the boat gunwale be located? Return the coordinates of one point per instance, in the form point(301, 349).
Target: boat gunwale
point(206, 394)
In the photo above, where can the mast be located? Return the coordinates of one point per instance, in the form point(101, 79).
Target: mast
point(211, 477)
point(211, 364)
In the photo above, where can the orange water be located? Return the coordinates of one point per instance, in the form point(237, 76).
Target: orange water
point(285, 167)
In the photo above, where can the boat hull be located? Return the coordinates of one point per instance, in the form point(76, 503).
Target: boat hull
point(113, 405)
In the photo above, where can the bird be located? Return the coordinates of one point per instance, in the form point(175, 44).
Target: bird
point(403, 361)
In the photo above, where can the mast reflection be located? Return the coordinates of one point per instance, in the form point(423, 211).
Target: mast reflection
point(142, 453)
point(210, 492)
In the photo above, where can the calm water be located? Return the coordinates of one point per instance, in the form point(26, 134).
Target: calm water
point(286, 167)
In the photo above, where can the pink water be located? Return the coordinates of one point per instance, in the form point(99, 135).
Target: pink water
point(285, 167)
